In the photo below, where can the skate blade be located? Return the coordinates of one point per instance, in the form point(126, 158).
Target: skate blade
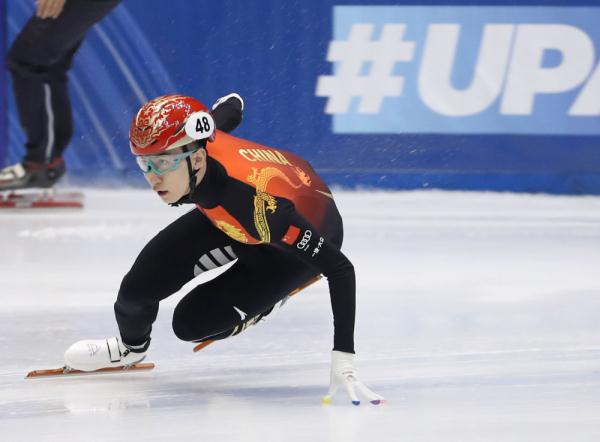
point(202, 345)
point(66, 371)
point(35, 198)
point(303, 286)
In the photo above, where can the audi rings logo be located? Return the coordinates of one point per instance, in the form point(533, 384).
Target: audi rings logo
point(303, 244)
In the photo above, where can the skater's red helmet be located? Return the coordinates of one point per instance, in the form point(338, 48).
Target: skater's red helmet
point(160, 124)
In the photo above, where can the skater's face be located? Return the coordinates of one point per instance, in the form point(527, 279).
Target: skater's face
point(172, 185)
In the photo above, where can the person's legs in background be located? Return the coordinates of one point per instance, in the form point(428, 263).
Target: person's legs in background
point(38, 61)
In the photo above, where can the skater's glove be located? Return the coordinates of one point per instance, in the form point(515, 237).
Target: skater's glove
point(226, 98)
point(344, 375)
point(227, 113)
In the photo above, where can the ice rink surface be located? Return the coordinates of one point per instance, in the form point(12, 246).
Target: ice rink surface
point(478, 319)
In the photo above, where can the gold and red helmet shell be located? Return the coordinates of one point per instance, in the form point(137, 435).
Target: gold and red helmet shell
point(160, 124)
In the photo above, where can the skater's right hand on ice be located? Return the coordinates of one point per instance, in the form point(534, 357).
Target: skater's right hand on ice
point(344, 375)
point(49, 8)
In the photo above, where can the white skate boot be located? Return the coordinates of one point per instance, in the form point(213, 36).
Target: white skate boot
point(96, 354)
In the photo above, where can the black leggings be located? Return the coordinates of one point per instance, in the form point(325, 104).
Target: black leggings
point(38, 61)
point(262, 276)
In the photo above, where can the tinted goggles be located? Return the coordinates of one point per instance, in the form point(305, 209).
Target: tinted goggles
point(160, 164)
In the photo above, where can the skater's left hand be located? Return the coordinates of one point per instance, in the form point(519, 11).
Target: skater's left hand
point(49, 8)
point(344, 375)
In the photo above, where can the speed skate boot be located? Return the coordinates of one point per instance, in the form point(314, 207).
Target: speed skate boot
point(29, 174)
point(92, 355)
point(235, 330)
point(248, 322)
point(256, 319)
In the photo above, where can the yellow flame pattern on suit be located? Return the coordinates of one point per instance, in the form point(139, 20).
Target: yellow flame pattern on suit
point(263, 201)
point(303, 176)
point(232, 231)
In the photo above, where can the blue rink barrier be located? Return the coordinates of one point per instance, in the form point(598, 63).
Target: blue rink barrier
point(3, 87)
point(501, 95)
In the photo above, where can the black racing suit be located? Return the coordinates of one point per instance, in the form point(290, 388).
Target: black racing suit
point(273, 258)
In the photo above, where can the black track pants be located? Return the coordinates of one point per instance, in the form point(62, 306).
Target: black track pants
point(38, 61)
point(261, 276)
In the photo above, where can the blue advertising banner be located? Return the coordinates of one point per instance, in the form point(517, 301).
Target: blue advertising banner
point(501, 95)
point(472, 69)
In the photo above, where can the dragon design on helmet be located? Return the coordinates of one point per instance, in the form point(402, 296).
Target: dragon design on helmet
point(152, 119)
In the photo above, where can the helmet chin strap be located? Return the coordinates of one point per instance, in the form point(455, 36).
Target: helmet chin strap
point(192, 175)
point(191, 172)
